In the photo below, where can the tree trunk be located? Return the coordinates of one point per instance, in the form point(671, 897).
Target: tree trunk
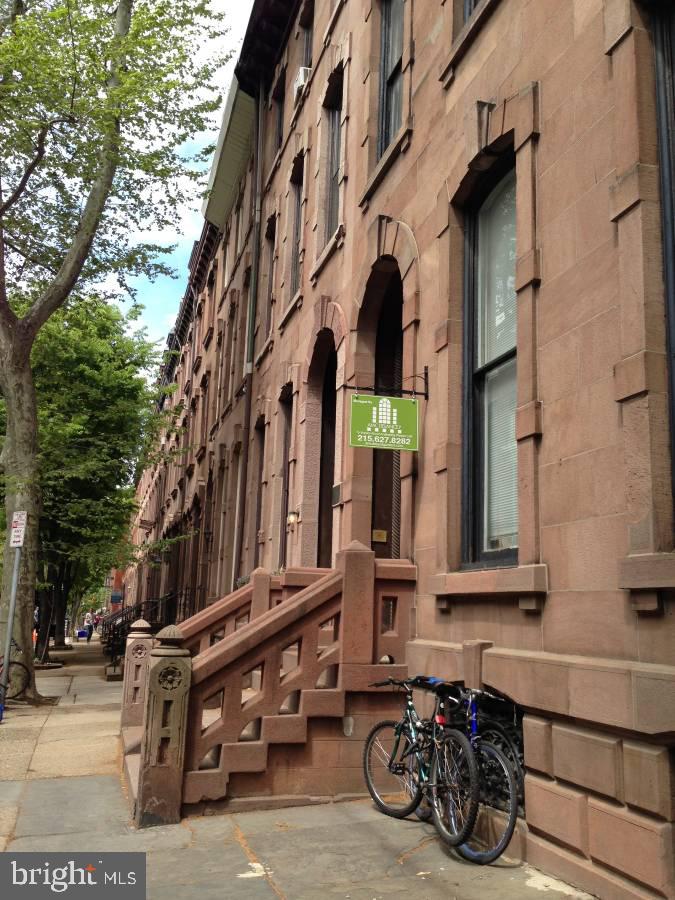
point(60, 606)
point(46, 601)
point(22, 492)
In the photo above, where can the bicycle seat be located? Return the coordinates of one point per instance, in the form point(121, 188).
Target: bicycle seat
point(433, 684)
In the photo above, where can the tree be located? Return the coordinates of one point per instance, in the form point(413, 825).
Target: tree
point(96, 412)
point(95, 106)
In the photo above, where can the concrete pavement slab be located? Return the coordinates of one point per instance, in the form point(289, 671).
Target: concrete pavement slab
point(15, 759)
point(10, 792)
point(122, 840)
point(73, 758)
point(8, 816)
point(206, 873)
point(208, 829)
point(63, 805)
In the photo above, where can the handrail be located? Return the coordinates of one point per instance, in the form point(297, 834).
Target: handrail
point(221, 655)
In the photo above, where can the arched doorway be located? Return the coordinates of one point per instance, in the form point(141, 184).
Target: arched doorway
point(380, 343)
point(386, 508)
point(322, 393)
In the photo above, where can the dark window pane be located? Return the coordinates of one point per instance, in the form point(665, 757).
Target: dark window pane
point(469, 6)
point(332, 210)
point(297, 234)
point(391, 78)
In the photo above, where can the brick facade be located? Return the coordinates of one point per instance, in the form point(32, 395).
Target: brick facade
point(581, 630)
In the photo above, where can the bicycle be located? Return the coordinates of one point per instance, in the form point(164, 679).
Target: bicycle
point(413, 760)
point(499, 787)
point(19, 676)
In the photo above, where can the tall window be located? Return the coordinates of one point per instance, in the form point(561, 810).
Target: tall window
point(270, 236)
point(286, 408)
point(490, 443)
point(391, 72)
point(237, 228)
point(296, 212)
point(306, 32)
point(278, 97)
point(333, 104)
point(469, 6)
point(260, 450)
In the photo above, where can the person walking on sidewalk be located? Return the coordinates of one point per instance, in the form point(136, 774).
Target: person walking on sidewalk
point(89, 625)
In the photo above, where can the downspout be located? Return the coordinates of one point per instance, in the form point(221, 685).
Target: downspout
point(240, 512)
point(665, 105)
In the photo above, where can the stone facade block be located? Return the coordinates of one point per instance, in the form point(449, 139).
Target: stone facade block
point(537, 744)
point(589, 759)
point(649, 778)
point(638, 845)
point(558, 812)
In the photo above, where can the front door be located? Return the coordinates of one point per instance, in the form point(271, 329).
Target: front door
point(327, 463)
point(386, 511)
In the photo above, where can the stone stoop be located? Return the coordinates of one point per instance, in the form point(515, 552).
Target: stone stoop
point(276, 711)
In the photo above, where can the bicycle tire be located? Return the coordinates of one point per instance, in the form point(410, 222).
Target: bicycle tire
point(383, 784)
point(19, 679)
point(497, 733)
point(454, 791)
point(498, 788)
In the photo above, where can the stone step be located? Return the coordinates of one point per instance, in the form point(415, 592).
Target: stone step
point(285, 729)
point(132, 737)
point(132, 767)
point(322, 702)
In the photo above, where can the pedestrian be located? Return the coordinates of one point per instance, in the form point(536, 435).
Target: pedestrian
point(89, 625)
point(97, 621)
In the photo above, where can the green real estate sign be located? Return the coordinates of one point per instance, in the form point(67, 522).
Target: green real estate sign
point(384, 423)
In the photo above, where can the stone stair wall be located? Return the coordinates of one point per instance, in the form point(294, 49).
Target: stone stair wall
point(277, 708)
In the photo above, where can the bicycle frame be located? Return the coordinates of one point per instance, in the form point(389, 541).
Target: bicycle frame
point(412, 722)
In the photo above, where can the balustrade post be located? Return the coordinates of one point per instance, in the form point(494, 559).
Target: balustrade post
point(261, 581)
point(357, 563)
point(136, 661)
point(160, 780)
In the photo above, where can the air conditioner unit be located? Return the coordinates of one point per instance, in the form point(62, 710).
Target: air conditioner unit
point(301, 80)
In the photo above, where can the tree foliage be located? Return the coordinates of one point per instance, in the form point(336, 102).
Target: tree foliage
point(97, 413)
point(97, 103)
point(76, 97)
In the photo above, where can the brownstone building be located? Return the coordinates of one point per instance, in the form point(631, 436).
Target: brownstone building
point(483, 190)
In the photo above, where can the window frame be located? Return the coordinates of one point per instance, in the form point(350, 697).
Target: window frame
point(384, 138)
point(297, 189)
point(474, 378)
point(333, 106)
point(278, 98)
point(470, 8)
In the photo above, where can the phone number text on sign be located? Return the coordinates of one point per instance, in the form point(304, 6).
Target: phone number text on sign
point(364, 438)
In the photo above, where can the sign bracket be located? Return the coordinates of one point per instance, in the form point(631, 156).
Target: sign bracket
point(396, 392)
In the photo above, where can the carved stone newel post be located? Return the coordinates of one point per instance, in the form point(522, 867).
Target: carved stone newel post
point(160, 780)
point(136, 661)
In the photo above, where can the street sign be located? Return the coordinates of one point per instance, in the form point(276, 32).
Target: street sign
point(18, 529)
point(384, 423)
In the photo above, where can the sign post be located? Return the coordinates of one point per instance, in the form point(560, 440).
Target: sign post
point(384, 423)
point(17, 534)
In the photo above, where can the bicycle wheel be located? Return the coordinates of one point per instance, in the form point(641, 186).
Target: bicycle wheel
point(506, 738)
point(454, 788)
point(390, 769)
point(498, 807)
point(19, 679)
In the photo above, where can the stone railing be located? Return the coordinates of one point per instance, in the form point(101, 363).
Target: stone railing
point(263, 592)
point(261, 683)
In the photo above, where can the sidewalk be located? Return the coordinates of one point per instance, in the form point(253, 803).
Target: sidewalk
point(60, 789)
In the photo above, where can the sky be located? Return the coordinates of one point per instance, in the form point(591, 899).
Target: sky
point(162, 297)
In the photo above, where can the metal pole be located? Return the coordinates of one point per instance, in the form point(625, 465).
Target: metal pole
point(4, 679)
